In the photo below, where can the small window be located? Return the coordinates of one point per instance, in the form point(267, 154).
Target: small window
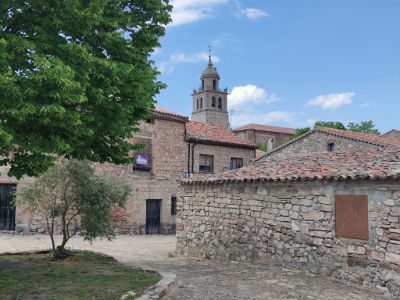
point(149, 121)
point(331, 147)
point(220, 103)
point(213, 102)
point(142, 161)
point(201, 103)
point(173, 205)
point(351, 215)
point(198, 104)
point(236, 163)
point(206, 163)
point(202, 85)
point(214, 85)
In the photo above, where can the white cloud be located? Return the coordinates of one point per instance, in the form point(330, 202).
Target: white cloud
point(253, 13)
point(168, 66)
point(192, 58)
point(165, 67)
point(365, 104)
point(191, 11)
point(239, 119)
point(332, 101)
point(249, 95)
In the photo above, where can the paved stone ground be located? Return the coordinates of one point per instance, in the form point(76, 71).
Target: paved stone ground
point(204, 279)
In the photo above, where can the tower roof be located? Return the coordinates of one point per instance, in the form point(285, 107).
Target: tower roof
point(210, 71)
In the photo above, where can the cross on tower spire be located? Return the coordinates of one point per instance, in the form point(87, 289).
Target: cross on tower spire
point(209, 56)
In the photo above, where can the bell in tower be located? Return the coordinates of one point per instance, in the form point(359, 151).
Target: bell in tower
point(210, 103)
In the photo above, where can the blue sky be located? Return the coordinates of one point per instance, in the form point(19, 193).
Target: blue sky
point(288, 62)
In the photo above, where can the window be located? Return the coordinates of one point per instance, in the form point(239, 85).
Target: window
point(331, 147)
point(213, 102)
point(198, 104)
point(201, 103)
point(220, 103)
point(351, 214)
point(236, 163)
point(202, 85)
point(206, 163)
point(173, 205)
point(214, 85)
point(143, 156)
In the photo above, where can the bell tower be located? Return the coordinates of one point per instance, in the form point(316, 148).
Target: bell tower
point(210, 103)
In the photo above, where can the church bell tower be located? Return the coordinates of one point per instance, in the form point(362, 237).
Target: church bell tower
point(210, 103)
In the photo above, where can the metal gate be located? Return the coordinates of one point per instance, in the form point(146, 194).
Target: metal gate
point(7, 209)
point(153, 212)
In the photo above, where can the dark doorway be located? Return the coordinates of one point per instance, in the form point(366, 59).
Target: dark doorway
point(7, 209)
point(153, 213)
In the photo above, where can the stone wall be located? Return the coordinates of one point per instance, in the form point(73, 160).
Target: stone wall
point(294, 223)
point(317, 142)
point(222, 156)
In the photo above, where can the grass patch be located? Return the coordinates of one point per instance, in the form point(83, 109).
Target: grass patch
point(83, 275)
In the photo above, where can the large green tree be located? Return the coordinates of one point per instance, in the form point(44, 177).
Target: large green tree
point(70, 193)
point(75, 78)
point(363, 127)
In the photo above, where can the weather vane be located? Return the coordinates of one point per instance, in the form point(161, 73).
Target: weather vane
point(209, 50)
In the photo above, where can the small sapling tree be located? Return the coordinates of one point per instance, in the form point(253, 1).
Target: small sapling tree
point(82, 202)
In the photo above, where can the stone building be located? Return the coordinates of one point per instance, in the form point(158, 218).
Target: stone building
point(333, 213)
point(268, 137)
point(172, 148)
point(210, 103)
point(322, 139)
point(393, 134)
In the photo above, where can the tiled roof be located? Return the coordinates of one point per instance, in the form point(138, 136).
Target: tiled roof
point(361, 137)
point(355, 136)
point(162, 112)
point(391, 133)
point(260, 127)
point(215, 134)
point(365, 164)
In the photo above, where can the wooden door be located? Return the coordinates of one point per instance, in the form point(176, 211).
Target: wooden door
point(153, 216)
point(7, 208)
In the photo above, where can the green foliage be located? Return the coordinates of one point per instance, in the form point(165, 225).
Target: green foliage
point(262, 147)
point(335, 125)
point(299, 132)
point(363, 127)
point(75, 78)
point(82, 201)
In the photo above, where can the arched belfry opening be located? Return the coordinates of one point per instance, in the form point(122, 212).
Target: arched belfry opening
point(213, 100)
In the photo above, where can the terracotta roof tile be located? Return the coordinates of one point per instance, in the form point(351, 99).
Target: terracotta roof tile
point(164, 112)
point(391, 133)
point(365, 164)
point(260, 127)
point(215, 134)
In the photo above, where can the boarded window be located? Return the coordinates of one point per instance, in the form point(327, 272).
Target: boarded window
point(352, 216)
point(206, 163)
point(173, 205)
point(236, 163)
point(143, 156)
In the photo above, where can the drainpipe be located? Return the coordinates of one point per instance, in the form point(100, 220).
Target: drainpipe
point(188, 160)
point(193, 156)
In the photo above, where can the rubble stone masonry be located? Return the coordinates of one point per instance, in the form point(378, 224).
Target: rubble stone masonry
point(294, 224)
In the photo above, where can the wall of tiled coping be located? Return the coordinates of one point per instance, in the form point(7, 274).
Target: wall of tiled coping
point(294, 223)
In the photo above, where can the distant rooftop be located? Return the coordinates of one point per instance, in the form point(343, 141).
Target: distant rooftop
point(215, 134)
point(260, 127)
